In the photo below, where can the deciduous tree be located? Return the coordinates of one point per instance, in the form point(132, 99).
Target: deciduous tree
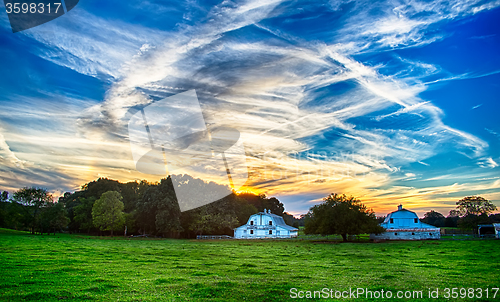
point(471, 221)
point(473, 210)
point(216, 218)
point(53, 217)
point(107, 212)
point(4, 196)
point(31, 200)
point(159, 211)
point(434, 218)
point(83, 213)
point(342, 215)
point(452, 219)
point(261, 202)
point(475, 205)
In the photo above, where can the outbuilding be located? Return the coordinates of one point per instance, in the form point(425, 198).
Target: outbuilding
point(405, 225)
point(497, 230)
point(265, 225)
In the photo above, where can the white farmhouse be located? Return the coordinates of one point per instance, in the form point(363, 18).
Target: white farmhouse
point(265, 225)
point(405, 225)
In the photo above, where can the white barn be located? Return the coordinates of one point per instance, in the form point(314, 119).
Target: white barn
point(405, 225)
point(265, 225)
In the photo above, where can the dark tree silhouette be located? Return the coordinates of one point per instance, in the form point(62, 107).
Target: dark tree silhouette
point(434, 218)
point(475, 205)
point(473, 210)
point(158, 212)
point(53, 217)
point(83, 213)
point(31, 200)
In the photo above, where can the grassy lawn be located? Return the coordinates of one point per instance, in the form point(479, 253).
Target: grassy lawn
point(73, 267)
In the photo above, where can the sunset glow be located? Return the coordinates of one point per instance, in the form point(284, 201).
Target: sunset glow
point(393, 103)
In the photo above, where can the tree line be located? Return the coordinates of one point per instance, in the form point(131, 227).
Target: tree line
point(151, 209)
point(32, 209)
point(469, 213)
point(107, 206)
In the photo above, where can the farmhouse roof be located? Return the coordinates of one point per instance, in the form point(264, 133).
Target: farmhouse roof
point(402, 213)
point(278, 220)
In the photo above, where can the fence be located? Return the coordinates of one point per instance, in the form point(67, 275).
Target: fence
point(213, 237)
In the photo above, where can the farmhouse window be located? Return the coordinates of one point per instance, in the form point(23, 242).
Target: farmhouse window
point(392, 220)
point(251, 232)
point(270, 232)
point(413, 233)
point(251, 222)
point(396, 234)
point(270, 222)
point(416, 220)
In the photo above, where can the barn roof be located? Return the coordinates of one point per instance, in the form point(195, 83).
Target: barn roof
point(278, 220)
point(403, 214)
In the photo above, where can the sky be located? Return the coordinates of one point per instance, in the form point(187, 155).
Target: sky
point(393, 102)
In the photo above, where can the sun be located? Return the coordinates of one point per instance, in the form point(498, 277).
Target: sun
point(251, 190)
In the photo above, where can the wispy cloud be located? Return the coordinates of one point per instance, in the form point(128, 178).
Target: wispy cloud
point(92, 45)
point(482, 37)
point(464, 76)
point(487, 162)
point(403, 24)
point(7, 155)
point(493, 132)
point(313, 117)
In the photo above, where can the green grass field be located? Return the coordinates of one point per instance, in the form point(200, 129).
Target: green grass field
point(73, 267)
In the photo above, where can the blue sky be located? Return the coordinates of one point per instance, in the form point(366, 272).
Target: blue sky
point(390, 101)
